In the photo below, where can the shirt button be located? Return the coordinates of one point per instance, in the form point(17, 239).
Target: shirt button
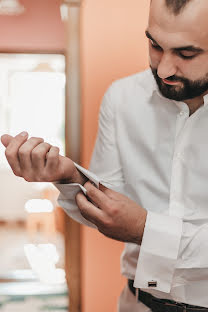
point(182, 113)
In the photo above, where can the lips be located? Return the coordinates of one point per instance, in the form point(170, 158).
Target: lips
point(173, 83)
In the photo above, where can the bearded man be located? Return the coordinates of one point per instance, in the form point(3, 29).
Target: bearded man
point(149, 167)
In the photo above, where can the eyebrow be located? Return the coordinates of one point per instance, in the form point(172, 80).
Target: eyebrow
point(150, 37)
point(190, 48)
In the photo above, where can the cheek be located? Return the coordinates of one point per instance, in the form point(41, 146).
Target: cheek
point(154, 57)
point(195, 69)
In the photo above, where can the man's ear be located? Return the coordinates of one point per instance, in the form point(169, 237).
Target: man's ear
point(6, 139)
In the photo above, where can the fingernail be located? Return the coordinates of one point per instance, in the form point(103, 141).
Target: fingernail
point(24, 133)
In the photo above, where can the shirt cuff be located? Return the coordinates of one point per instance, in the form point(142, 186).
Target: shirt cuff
point(68, 194)
point(91, 176)
point(158, 252)
point(70, 190)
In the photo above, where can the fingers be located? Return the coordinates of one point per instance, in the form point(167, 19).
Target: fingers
point(106, 190)
point(13, 145)
point(52, 159)
point(97, 196)
point(88, 210)
point(6, 139)
point(111, 194)
point(38, 154)
point(25, 153)
point(33, 159)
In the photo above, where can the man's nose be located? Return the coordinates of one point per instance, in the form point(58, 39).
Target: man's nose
point(166, 67)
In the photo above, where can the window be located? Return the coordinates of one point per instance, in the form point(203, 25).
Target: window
point(32, 97)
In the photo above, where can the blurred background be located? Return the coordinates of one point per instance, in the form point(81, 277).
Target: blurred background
point(57, 58)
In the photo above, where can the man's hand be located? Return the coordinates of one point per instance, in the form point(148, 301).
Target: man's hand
point(114, 214)
point(37, 161)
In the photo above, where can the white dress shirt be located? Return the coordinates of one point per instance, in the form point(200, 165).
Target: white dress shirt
point(150, 149)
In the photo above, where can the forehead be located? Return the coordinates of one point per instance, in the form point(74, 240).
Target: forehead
point(190, 27)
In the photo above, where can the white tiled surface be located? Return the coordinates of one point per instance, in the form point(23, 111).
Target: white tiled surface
point(17, 297)
point(12, 243)
point(34, 304)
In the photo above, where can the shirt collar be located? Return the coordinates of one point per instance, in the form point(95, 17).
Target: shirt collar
point(206, 100)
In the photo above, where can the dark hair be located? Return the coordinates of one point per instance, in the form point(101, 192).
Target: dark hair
point(176, 6)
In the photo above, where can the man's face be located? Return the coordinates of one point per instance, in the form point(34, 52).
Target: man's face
point(178, 49)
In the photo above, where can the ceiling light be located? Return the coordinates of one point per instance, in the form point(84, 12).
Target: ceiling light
point(11, 7)
point(64, 11)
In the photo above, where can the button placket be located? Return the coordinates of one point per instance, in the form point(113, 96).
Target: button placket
point(180, 123)
point(175, 208)
point(175, 189)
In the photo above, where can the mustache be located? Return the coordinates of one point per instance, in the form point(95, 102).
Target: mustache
point(174, 78)
point(170, 78)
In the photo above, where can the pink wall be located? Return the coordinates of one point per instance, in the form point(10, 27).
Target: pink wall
point(39, 28)
point(113, 46)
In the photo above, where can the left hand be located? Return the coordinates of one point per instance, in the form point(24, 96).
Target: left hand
point(114, 214)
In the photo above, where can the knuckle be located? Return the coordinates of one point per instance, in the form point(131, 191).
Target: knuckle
point(45, 145)
point(114, 210)
point(52, 155)
point(8, 154)
point(36, 154)
point(52, 158)
point(35, 139)
point(41, 149)
point(107, 223)
point(23, 151)
point(55, 151)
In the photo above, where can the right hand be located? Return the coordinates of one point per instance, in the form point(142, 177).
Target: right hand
point(37, 161)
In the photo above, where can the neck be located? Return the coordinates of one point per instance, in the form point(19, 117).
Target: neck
point(195, 103)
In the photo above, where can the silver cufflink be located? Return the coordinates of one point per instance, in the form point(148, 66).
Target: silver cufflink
point(152, 284)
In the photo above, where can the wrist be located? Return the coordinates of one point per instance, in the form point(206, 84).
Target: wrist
point(76, 177)
point(79, 177)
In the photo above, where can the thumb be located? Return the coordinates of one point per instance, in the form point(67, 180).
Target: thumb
point(6, 139)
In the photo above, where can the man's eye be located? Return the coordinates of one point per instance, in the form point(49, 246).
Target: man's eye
point(187, 55)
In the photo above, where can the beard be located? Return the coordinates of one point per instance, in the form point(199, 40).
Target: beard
point(188, 90)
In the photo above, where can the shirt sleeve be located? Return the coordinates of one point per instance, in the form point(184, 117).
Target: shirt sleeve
point(159, 252)
point(105, 167)
point(170, 243)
